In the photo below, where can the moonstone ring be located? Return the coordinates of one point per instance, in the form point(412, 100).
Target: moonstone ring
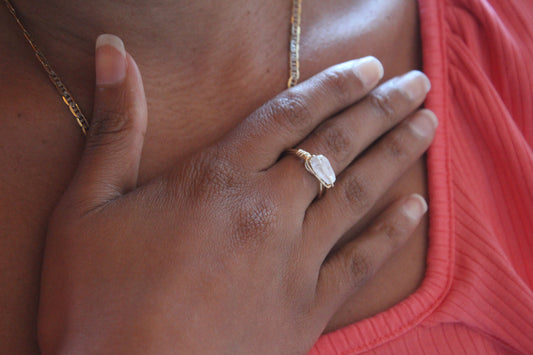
point(319, 167)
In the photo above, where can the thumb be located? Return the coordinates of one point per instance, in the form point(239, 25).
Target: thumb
point(110, 162)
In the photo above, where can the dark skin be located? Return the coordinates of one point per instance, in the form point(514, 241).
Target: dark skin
point(195, 96)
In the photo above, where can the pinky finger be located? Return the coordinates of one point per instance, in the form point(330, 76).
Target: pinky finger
point(349, 268)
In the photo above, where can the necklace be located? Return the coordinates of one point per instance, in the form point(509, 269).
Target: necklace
point(79, 117)
point(54, 78)
point(294, 45)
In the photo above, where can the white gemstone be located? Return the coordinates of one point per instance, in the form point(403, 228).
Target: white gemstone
point(322, 169)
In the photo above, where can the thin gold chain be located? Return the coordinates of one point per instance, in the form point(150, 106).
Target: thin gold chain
point(294, 61)
point(294, 45)
point(54, 78)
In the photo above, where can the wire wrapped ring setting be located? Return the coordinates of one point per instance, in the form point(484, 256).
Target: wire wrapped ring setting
point(319, 166)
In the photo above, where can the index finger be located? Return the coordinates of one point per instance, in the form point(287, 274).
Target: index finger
point(288, 118)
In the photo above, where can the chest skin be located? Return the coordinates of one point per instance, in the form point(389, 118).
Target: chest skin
point(40, 145)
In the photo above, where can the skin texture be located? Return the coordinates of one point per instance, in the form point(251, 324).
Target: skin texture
point(206, 83)
point(230, 247)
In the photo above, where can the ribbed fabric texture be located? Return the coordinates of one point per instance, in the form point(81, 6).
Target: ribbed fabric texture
point(477, 295)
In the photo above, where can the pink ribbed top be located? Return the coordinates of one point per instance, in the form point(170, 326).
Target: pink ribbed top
point(477, 295)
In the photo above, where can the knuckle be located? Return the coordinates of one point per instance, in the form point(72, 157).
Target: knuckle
point(396, 147)
point(289, 110)
point(110, 126)
point(253, 222)
point(211, 175)
point(216, 173)
point(383, 102)
point(336, 140)
point(394, 230)
point(338, 84)
point(359, 268)
point(356, 193)
point(111, 113)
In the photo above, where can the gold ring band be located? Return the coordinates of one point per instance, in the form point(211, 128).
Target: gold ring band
point(318, 166)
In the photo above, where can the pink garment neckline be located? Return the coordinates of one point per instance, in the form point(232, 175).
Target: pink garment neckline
point(385, 326)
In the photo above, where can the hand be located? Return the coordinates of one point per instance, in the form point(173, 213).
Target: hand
point(230, 251)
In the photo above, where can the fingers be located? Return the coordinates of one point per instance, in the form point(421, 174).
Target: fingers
point(345, 136)
point(110, 162)
point(365, 181)
point(345, 271)
point(288, 118)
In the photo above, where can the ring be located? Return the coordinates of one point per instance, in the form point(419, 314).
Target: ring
point(319, 166)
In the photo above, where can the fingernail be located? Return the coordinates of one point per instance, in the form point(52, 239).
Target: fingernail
point(415, 207)
point(110, 60)
point(415, 84)
point(369, 70)
point(424, 123)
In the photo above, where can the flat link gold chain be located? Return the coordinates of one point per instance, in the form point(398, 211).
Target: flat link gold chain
point(54, 78)
point(294, 45)
point(294, 61)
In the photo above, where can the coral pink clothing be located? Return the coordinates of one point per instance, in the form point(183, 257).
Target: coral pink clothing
point(477, 294)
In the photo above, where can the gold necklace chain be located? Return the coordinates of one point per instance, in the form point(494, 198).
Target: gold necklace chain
point(294, 61)
point(54, 78)
point(294, 45)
